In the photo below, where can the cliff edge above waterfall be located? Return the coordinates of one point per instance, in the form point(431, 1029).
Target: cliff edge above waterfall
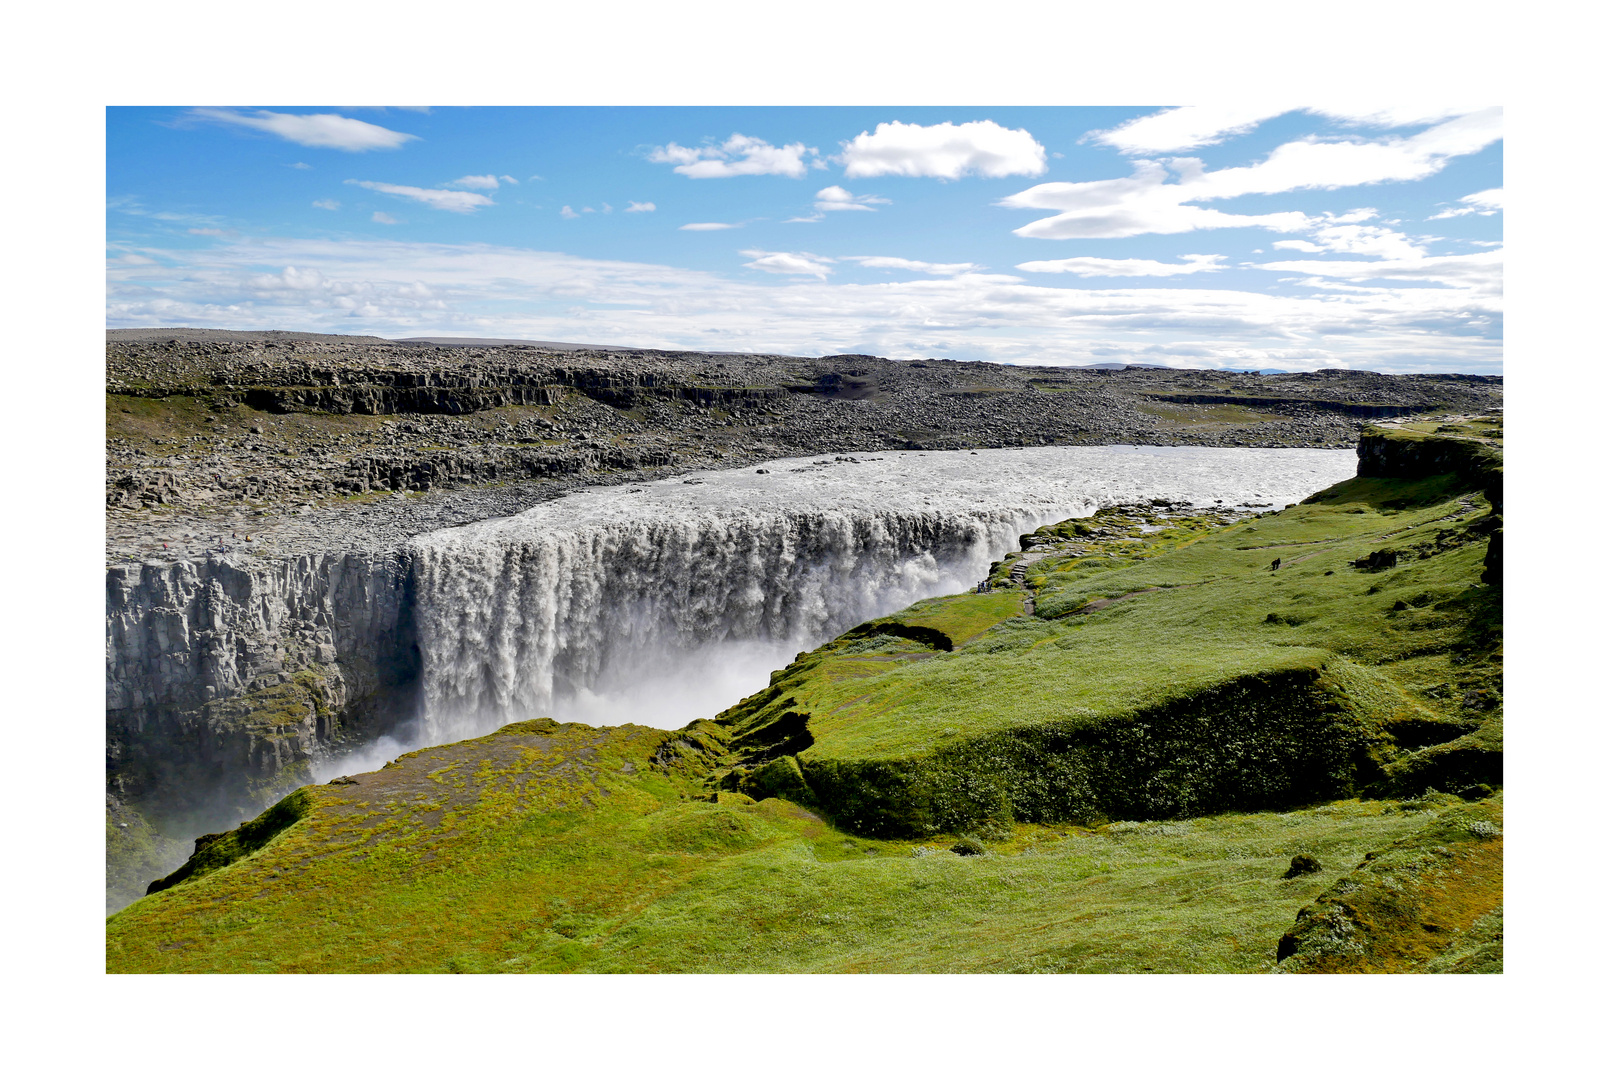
point(270, 444)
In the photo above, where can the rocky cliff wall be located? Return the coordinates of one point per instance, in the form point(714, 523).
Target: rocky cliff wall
point(225, 680)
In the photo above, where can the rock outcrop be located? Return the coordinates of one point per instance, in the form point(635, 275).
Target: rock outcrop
point(226, 679)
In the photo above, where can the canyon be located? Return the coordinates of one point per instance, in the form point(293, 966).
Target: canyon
point(329, 552)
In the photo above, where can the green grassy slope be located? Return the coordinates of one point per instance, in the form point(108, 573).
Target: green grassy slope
point(551, 847)
point(1185, 677)
point(1229, 716)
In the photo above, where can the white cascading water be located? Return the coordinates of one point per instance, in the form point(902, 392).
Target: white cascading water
point(662, 602)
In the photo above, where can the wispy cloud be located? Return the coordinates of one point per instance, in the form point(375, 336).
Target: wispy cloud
point(458, 202)
point(640, 208)
point(298, 165)
point(1412, 317)
point(1190, 127)
point(706, 226)
point(836, 198)
point(382, 218)
point(481, 183)
point(789, 262)
point(326, 204)
point(324, 130)
point(1485, 203)
point(889, 262)
point(1481, 272)
point(1089, 266)
point(567, 213)
point(947, 151)
point(741, 155)
point(1148, 202)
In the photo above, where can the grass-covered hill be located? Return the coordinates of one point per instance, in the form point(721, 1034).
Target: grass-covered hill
point(1147, 749)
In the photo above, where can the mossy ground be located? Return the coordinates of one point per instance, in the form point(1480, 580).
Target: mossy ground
point(564, 848)
point(1256, 683)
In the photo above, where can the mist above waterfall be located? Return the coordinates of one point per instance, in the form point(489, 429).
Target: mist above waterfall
point(662, 602)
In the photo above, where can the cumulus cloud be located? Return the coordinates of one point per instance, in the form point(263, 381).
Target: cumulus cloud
point(706, 226)
point(324, 130)
point(1148, 202)
point(459, 202)
point(382, 218)
point(640, 208)
point(741, 155)
point(889, 262)
point(801, 263)
point(401, 289)
point(1485, 203)
point(326, 204)
point(487, 182)
point(836, 198)
point(948, 151)
point(1089, 266)
point(567, 213)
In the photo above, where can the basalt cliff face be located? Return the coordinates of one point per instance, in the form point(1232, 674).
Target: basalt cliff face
point(226, 678)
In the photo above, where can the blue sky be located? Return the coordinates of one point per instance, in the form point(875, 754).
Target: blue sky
point(1289, 238)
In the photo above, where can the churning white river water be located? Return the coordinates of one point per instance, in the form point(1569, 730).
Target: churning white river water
point(663, 602)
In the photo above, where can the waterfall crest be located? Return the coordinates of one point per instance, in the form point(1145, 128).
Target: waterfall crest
point(662, 602)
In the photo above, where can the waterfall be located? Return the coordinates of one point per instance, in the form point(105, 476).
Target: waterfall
point(659, 603)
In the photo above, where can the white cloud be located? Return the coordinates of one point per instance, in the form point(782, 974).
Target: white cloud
point(459, 202)
point(1481, 273)
point(1326, 164)
point(1485, 203)
point(401, 289)
point(1192, 126)
point(706, 226)
point(384, 218)
point(209, 232)
point(741, 155)
point(948, 151)
point(299, 165)
point(482, 183)
point(1146, 202)
point(1184, 128)
point(1344, 233)
point(889, 262)
point(509, 180)
point(789, 262)
point(640, 208)
point(326, 204)
point(1089, 266)
point(1133, 206)
point(836, 198)
point(568, 214)
point(1391, 115)
point(324, 130)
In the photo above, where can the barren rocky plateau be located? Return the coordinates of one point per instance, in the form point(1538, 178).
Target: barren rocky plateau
point(274, 443)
